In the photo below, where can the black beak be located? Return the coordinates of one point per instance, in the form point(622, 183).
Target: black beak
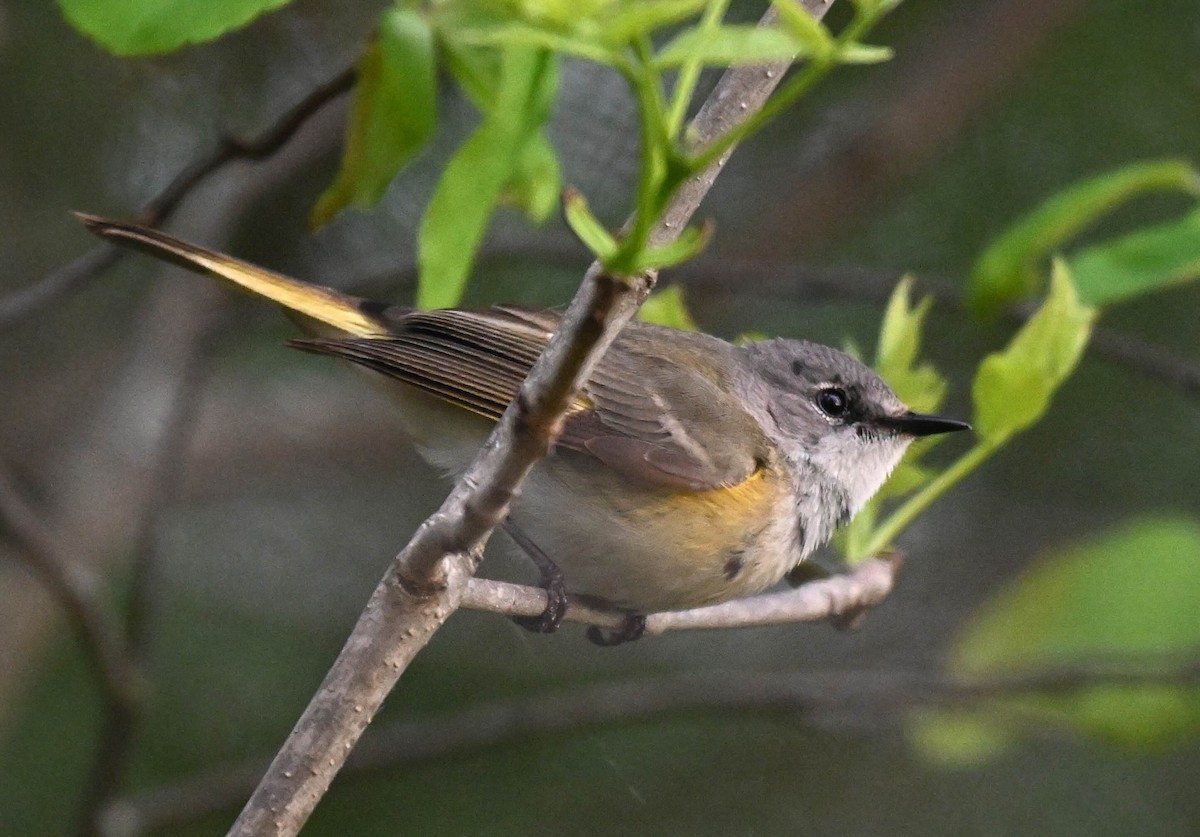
point(918, 424)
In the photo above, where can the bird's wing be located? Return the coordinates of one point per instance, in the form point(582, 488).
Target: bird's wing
point(652, 417)
point(647, 412)
point(472, 359)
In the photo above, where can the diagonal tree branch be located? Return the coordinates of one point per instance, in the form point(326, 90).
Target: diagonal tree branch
point(24, 303)
point(425, 583)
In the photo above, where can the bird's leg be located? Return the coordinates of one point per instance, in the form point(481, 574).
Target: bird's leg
point(634, 628)
point(551, 581)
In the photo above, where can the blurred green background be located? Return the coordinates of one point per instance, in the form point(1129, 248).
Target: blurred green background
point(298, 487)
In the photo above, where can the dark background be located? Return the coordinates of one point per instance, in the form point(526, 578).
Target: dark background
point(298, 488)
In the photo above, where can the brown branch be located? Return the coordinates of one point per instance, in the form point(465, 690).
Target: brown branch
point(82, 269)
point(869, 697)
point(425, 583)
point(834, 598)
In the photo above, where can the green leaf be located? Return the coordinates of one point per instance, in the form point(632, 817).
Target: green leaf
point(728, 46)
point(563, 12)
point(689, 243)
point(475, 69)
point(643, 18)
point(1012, 389)
point(1129, 596)
point(667, 308)
point(957, 738)
point(1132, 591)
point(856, 53)
point(805, 28)
point(919, 385)
point(471, 186)
point(146, 27)
point(1008, 268)
point(393, 117)
point(1147, 260)
point(528, 36)
point(537, 180)
point(587, 228)
point(875, 8)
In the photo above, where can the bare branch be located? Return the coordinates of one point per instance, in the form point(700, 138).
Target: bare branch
point(111, 758)
point(866, 697)
point(82, 269)
point(75, 587)
point(425, 583)
point(835, 598)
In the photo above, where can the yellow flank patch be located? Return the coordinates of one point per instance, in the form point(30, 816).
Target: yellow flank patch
point(721, 517)
point(747, 494)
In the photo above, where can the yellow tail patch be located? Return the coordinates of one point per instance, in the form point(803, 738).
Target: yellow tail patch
point(325, 305)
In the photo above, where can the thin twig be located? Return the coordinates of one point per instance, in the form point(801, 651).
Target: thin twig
point(424, 585)
point(82, 269)
point(867, 697)
point(110, 761)
point(76, 588)
point(832, 598)
point(769, 279)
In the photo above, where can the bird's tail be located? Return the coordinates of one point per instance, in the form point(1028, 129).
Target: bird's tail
point(314, 305)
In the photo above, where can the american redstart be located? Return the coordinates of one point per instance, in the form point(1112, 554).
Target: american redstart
point(690, 471)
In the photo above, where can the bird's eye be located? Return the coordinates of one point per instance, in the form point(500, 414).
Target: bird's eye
point(833, 402)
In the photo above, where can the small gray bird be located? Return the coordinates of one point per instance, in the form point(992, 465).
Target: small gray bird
point(690, 471)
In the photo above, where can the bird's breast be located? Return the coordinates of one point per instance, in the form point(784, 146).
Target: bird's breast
point(650, 550)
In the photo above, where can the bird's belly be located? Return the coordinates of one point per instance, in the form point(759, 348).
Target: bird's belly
point(649, 550)
point(634, 547)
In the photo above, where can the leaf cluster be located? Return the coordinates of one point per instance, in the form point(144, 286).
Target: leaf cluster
point(1127, 595)
point(504, 56)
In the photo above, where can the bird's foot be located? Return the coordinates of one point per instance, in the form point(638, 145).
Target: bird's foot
point(551, 618)
point(634, 628)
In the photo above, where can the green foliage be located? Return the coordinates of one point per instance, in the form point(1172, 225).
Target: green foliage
point(1131, 594)
point(618, 33)
point(918, 384)
point(504, 54)
point(535, 181)
point(148, 27)
point(732, 45)
point(394, 113)
point(586, 226)
point(1146, 260)
point(1012, 388)
point(804, 28)
point(1012, 391)
point(687, 246)
point(668, 308)
point(475, 178)
point(1008, 269)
